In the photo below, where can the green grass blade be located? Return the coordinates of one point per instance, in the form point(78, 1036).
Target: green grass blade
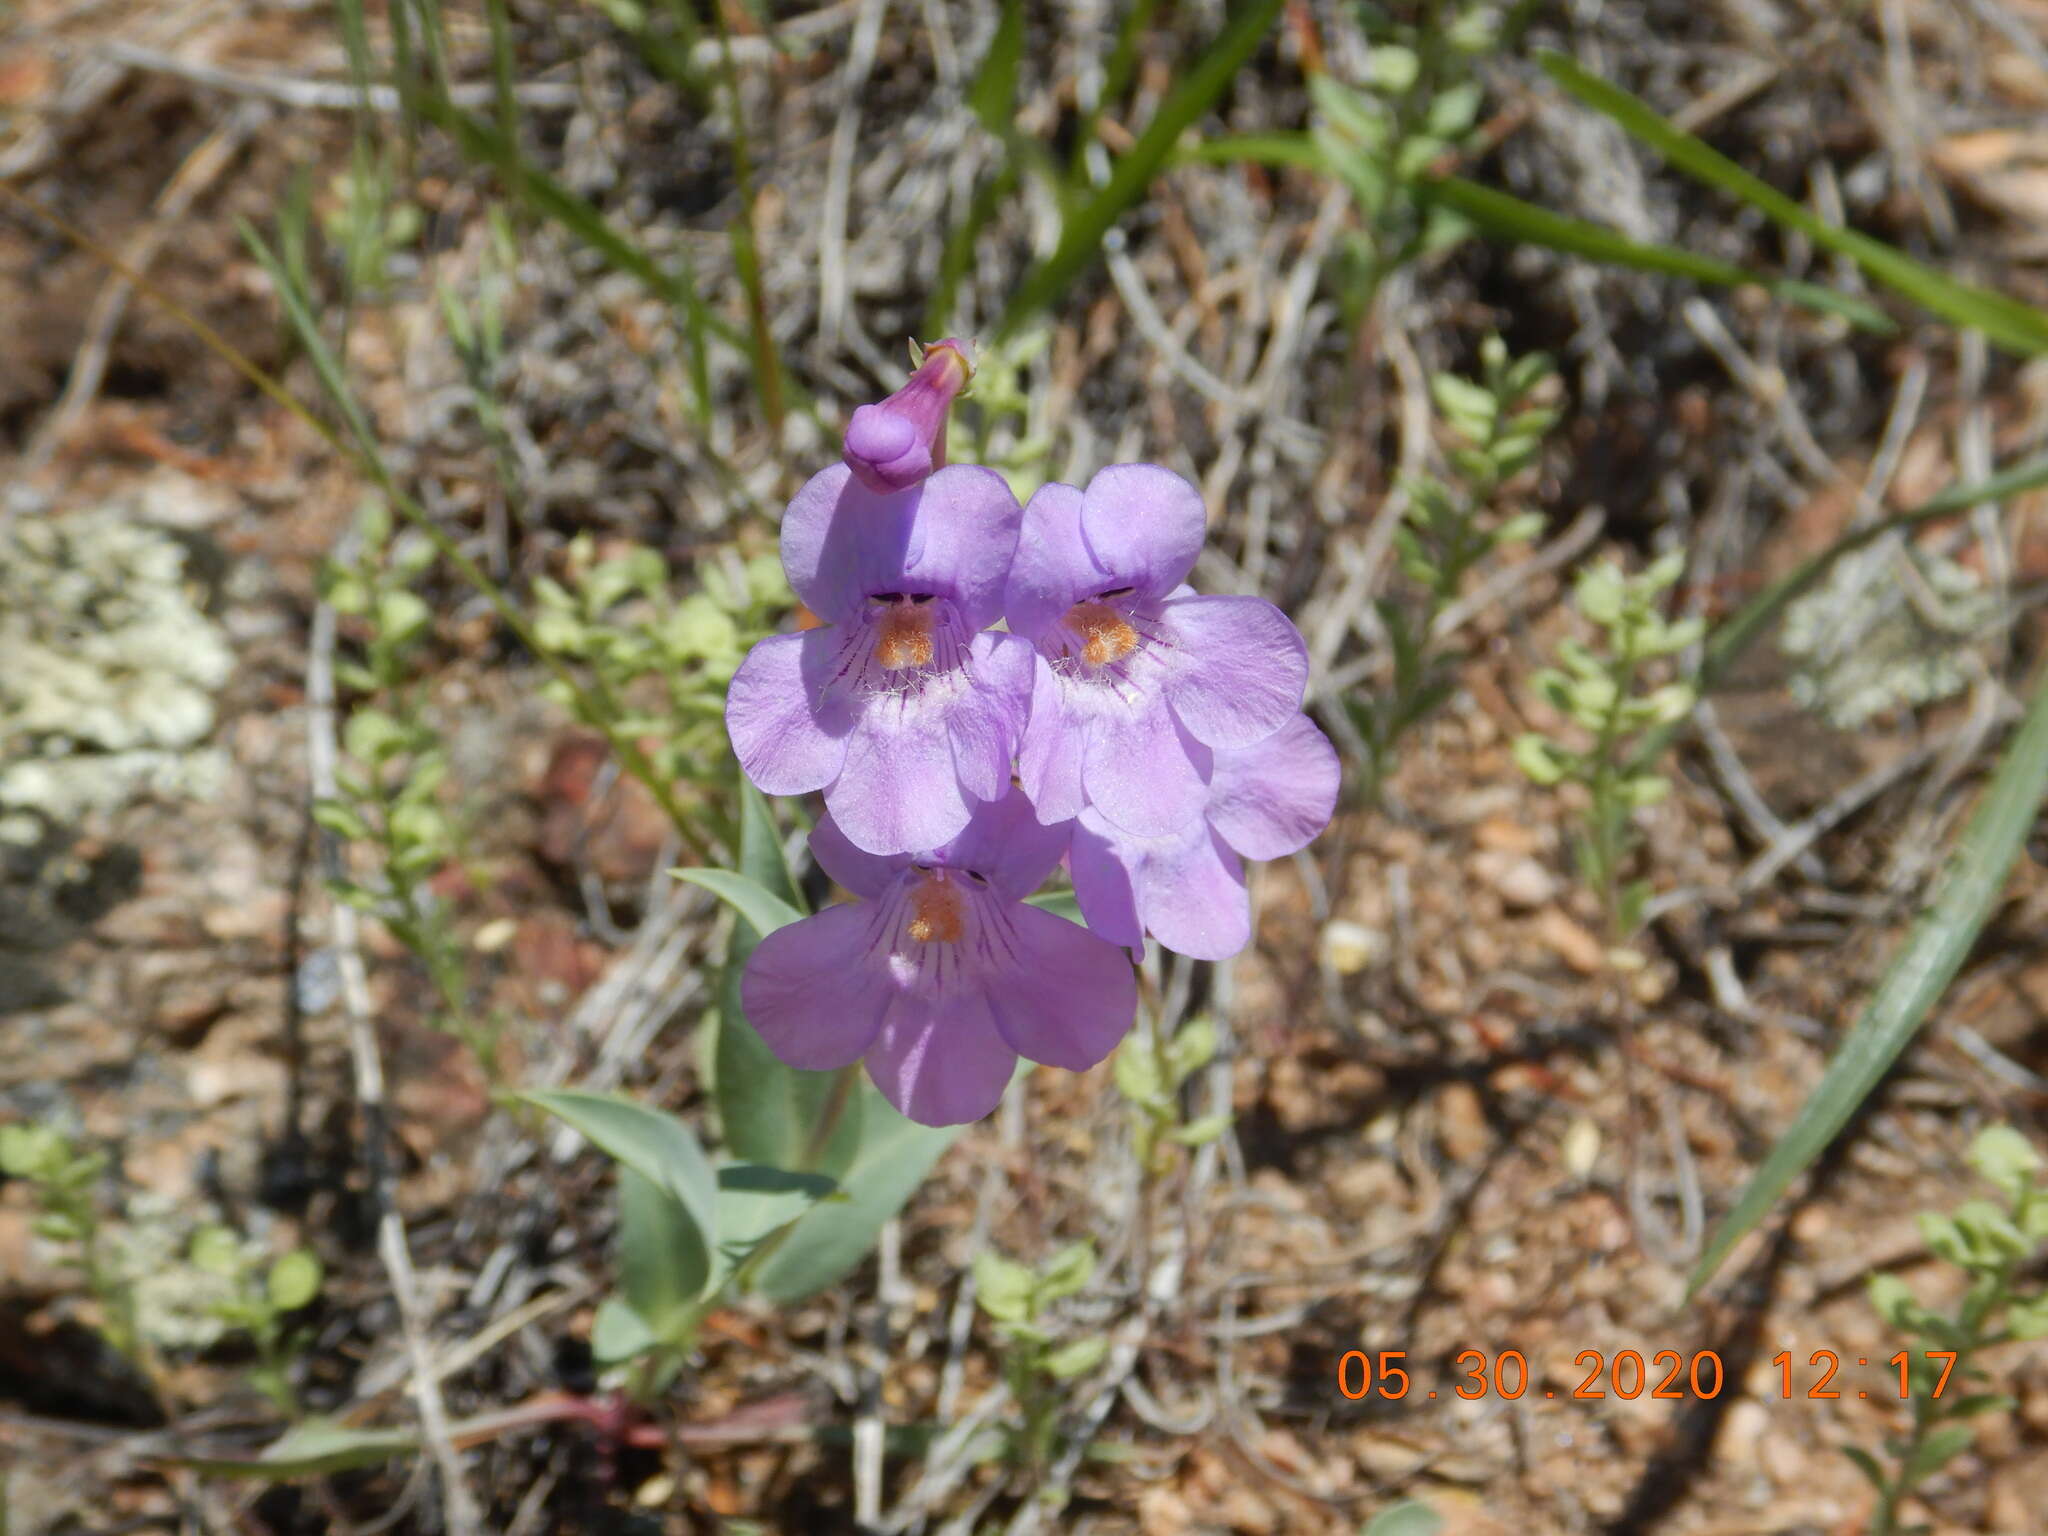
point(1507, 217)
point(992, 95)
point(549, 198)
point(2016, 326)
point(1288, 150)
point(1081, 239)
point(307, 329)
point(1914, 982)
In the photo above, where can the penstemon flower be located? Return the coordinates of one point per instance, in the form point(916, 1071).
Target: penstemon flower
point(1187, 887)
point(941, 975)
point(1136, 676)
point(896, 443)
point(899, 708)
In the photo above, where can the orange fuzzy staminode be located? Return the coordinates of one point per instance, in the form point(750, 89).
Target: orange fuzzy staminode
point(1105, 634)
point(935, 912)
point(906, 639)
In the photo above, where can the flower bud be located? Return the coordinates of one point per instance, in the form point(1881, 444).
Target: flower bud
point(897, 443)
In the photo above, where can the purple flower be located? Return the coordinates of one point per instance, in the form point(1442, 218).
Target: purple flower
point(899, 709)
point(1136, 675)
point(893, 445)
point(941, 975)
point(1187, 887)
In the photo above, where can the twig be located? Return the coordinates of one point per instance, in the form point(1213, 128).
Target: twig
point(832, 285)
point(199, 170)
point(463, 1516)
point(321, 95)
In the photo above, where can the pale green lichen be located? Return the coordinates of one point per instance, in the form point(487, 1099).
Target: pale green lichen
point(177, 1304)
point(106, 690)
point(1889, 634)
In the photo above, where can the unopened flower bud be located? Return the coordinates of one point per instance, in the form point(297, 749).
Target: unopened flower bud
point(894, 445)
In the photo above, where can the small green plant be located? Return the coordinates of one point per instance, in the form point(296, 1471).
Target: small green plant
point(1150, 1074)
point(259, 1301)
point(1417, 107)
point(1992, 1242)
point(1035, 1364)
point(65, 1181)
point(476, 331)
point(1450, 527)
point(998, 420)
point(388, 797)
point(668, 658)
point(367, 221)
point(1607, 693)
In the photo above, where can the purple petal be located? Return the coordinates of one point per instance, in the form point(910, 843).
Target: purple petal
point(787, 743)
point(1073, 997)
point(1144, 525)
point(1239, 668)
point(1102, 885)
point(1192, 897)
point(1142, 771)
point(1055, 737)
point(816, 990)
point(939, 1058)
point(987, 719)
point(1188, 889)
point(1007, 846)
point(1269, 799)
point(899, 791)
point(854, 869)
point(967, 519)
point(1052, 569)
point(841, 541)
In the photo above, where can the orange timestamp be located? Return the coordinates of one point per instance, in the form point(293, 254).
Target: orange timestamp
point(1667, 1373)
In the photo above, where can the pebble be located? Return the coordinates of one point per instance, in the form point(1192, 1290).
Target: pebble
point(1519, 879)
point(1348, 948)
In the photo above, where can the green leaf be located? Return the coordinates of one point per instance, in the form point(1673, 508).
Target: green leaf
point(1917, 977)
point(1935, 1452)
point(294, 1280)
point(2027, 1318)
point(1066, 1272)
point(1537, 756)
point(1003, 1288)
point(1136, 1071)
point(1892, 1299)
point(2005, 1159)
point(1081, 237)
point(769, 1112)
point(755, 1202)
point(1411, 1517)
point(762, 909)
point(340, 819)
point(657, 1146)
point(1076, 1359)
point(1060, 904)
point(310, 1448)
point(216, 1251)
point(1866, 1464)
point(887, 1163)
point(1505, 217)
point(619, 1334)
point(2016, 326)
point(1200, 1131)
point(1192, 1049)
point(664, 1257)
